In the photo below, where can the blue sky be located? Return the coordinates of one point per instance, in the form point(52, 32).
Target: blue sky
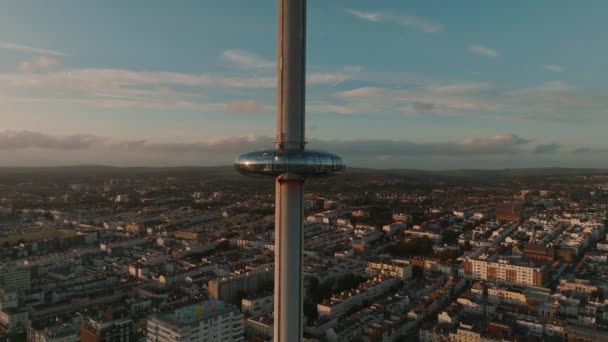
point(413, 84)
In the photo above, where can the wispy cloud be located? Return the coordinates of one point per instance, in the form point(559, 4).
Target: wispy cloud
point(103, 78)
point(24, 48)
point(496, 144)
point(244, 106)
point(546, 148)
point(590, 150)
point(125, 102)
point(547, 88)
point(247, 59)
point(552, 102)
point(420, 106)
point(39, 64)
point(410, 21)
point(459, 88)
point(484, 51)
point(13, 140)
point(553, 67)
point(442, 101)
point(368, 16)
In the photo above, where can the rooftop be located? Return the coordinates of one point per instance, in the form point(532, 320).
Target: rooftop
point(196, 312)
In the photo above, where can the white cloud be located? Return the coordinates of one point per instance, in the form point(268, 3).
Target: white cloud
point(553, 67)
point(24, 48)
point(482, 50)
point(247, 59)
point(39, 64)
point(411, 21)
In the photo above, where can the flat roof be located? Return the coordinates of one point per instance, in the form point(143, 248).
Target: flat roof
point(195, 312)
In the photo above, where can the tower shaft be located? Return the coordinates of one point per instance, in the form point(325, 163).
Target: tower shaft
point(291, 82)
point(289, 239)
point(291, 74)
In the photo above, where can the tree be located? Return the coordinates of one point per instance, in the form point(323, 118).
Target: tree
point(310, 310)
point(348, 281)
point(450, 236)
point(448, 254)
point(409, 247)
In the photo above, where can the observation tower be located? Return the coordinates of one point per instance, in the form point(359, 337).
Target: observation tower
point(291, 164)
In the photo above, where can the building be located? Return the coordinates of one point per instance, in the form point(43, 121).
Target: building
point(260, 326)
point(14, 320)
point(539, 253)
point(59, 333)
point(208, 321)
point(499, 295)
point(506, 272)
point(122, 199)
point(509, 212)
point(15, 278)
point(188, 235)
point(8, 299)
point(577, 285)
point(396, 268)
point(104, 330)
point(340, 303)
point(472, 333)
point(228, 288)
point(257, 306)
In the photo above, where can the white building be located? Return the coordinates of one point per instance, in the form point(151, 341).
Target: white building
point(208, 321)
point(395, 268)
point(506, 272)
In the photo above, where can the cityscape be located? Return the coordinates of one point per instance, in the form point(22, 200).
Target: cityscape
point(293, 170)
point(111, 254)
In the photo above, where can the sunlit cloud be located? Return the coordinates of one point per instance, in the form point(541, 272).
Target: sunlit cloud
point(41, 63)
point(244, 106)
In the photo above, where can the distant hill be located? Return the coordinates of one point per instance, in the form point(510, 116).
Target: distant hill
point(228, 173)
